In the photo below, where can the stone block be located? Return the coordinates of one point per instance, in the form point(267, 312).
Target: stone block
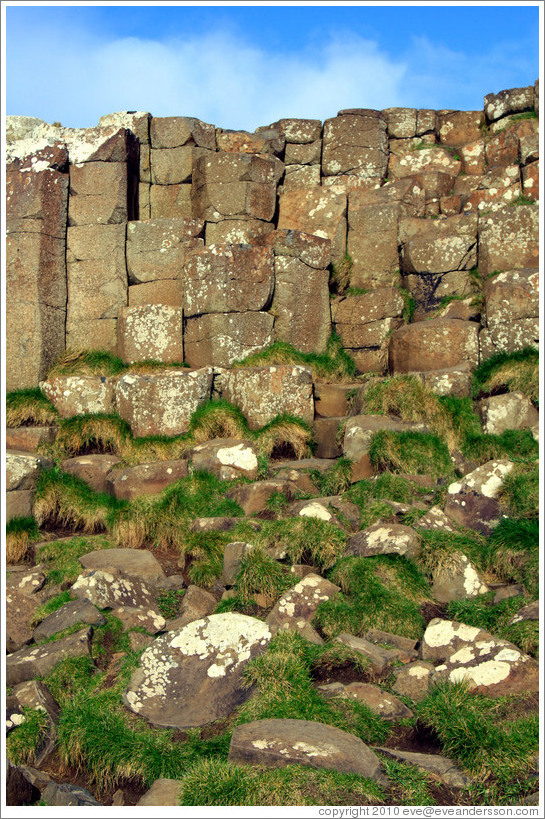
point(530, 181)
point(80, 394)
point(174, 132)
point(170, 202)
point(158, 248)
point(174, 166)
point(434, 344)
point(162, 403)
point(303, 154)
point(408, 160)
point(319, 211)
point(401, 122)
point(451, 381)
point(355, 144)
point(299, 131)
point(225, 279)
point(92, 469)
point(438, 246)
point(510, 296)
point(265, 141)
point(510, 411)
point(326, 435)
point(151, 332)
point(301, 304)
point(99, 193)
point(493, 191)
point(162, 291)
point(459, 127)
point(28, 439)
point(261, 393)
point(227, 458)
point(145, 479)
point(334, 400)
point(236, 231)
point(508, 239)
point(221, 338)
point(23, 469)
point(511, 101)
point(301, 176)
point(19, 504)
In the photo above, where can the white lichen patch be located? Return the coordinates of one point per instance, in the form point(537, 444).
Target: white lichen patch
point(322, 750)
point(443, 632)
point(419, 672)
point(240, 456)
point(464, 655)
point(315, 510)
point(488, 673)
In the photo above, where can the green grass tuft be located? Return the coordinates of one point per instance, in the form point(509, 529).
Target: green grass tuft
point(416, 453)
point(508, 372)
point(23, 740)
point(334, 480)
point(20, 534)
point(335, 365)
point(305, 540)
point(519, 493)
point(29, 407)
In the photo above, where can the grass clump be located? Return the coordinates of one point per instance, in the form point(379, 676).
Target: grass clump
point(29, 407)
point(217, 419)
point(386, 486)
point(168, 602)
point(339, 277)
point(63, 500)
point(87, 362)
point(61, 557)
point(514, 444)
point(261, 574)
point(335, 365)
point(50, 606)
point(519, 493)
point(92, 433)
point(285, 436)
point(304, 540)
point(509, 372)
point(438, 548)
point(415, 453)
point(334, 480)
point(409, 305)
point(482, 613)
point(488, 738)
point(410, 785)
point(23, 741)
point(384, 592)
point(219, 782)
point(21, 533)
point(513, 552)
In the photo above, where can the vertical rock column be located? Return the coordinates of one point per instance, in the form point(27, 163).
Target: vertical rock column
point(103, 174)
point(36, 210)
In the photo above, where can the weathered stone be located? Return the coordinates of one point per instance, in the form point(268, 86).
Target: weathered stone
point(173, 132)
point(530, 181)
point(510, 411)
point(459, 127)
point(194, 676)
point(233, 554)
point(359, 430)
point(132, 617)
point(355, 144)
point(280, 742)
point(145, 479)
point(491, 192)
point(20, 609)
point(434, 344)
point(508, 239)
point(163, 291)
point(23, 469)
point(253, 497)
point(334, 400)
point(407, 160)
point(378, 701)
point(92, 469)
point(472, 500)
point(378, 658)
point(455, 578)
point(170, 202)
point(162, 403)
point(19, 504)
point(438, 246)
point(225, 279)
point(221, 524)
point(298, 131)
point(383, 539)
point(261, 393)
point(23, 579)
point(174, 166)
point(152, 331)
point(98, 193)
point(196, 604)
point(163, 792)
point(512, 101)
point(136, 121)
point(375, 635)
point(19, 789)
point(301, 305)
point(300, 602)
point(158, 248)
point(65, 795)
point(301, 176)
point(401, 122)
point(435, 520)
point(236, 231)
point(222, 338)
point(28, 439)
point(76, 612)
point(505, 592)
point(366, 322)
point(529, 612)
point(34, 661)
point(486, 664)
point(266, 141)
point(511, 295)
point(139, 563)
point(414, 680)
point(440, 766)
point(324, 508)
point(318, 211)
point(228, 458)
point(109, 588)
point(80, 394)
point(450, 381)
point(326, 437)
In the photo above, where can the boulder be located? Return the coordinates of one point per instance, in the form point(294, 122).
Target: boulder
point(434, 344)
point(435, 520)
point(318, 211)
point(511, 101)
point(380, 702)
point(438, 246)
point(112, 589)
point(381, 538)
point(34, 661)
point(233, 555)
point(440, 767)
point(459, 127)
point(512, 410)
point(58, 795)
point(92, 469)
point(325, 508)
point(414, 680)
point(450, 381)
point(253, 497)
point(456, 578)
point(80, 394)
point(359, 430)
point(20, 610)
point(162, 403)
point(36, 695)
point(280, 742)
point(25, 580)
point(174, 132)
point(529, 612)
point(28, 439)
point(355, 142)
point(75, 612)
point(23, 469)
point(472, 500)
point(145, 479)
point(298, 605)
point(222, 338)
point(301, 304)
point(138, 563)
point(19, 504)
point(194, 676)
point(196, 604)
point(163, 792)
point(262, 393)
point(378, 658)
point(228, 458)
point(150, 331)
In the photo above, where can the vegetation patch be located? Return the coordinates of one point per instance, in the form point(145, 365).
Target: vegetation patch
point(513, 552)
point(63, 500)
point(514, 444)
point(482, 613)
point(508, 372)
point(29, 408)
point(261, 574)
point(416, 453)
point(384, 592)
point(339, 277)
point(335, 365)
point(334, 480)
point(21, 533)
point(304, 540)
point(519, 493)
point(285, 436)
point(61, 558)
point(23, 740)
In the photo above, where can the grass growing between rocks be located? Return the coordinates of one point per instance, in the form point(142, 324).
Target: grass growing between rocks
point(217, 782)
point(334, 480)
point(519, 493)
point(23, 740)
point(21, 533)
point(101, 362)
point(304, 540)
point(482, 613)
point(514, 444)
point(61, 559)
point(384, 592)
point(509, 372)
point(334, 365)
point(66, 501)
point(261, 574)
point(285, 690)
point(50, 606)
point(29, 408)
point(416, 453)
point(513, 551)
point(488, 737)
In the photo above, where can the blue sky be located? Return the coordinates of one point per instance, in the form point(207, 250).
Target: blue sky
point(240, 67)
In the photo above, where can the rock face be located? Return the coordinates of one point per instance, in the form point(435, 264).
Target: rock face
point(264, 392)
point(280, 742)
point(381, 539)
point(472, 501)
point(193, 676)
point(296, 607)
point(78, 395)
